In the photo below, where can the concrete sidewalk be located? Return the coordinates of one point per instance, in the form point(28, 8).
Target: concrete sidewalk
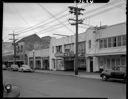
point(81, 74)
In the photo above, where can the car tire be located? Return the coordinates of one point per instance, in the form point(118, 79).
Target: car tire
point(104, 77)
point(21, 70)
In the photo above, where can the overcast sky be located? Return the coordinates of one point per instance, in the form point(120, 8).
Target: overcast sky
point(46, 19)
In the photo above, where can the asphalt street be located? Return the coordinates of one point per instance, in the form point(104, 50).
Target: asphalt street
point(51, 85)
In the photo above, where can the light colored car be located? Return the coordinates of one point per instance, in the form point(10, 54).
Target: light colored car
point(10, 90)
point(4, 67)
point(14, 67)
point(25, 68)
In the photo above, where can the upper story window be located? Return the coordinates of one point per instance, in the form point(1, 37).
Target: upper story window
point(81, 48)
point(113, 41)
point(69, 48)
point(89, 43)
point(101, 43)
point(105, 43)
point(21, 48)
point(123, 40)
point(53, 49)
point(59, 49)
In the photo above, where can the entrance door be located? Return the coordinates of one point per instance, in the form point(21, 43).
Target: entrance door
point(91, 65)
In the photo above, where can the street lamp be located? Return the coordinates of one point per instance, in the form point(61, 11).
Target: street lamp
point(33, 58)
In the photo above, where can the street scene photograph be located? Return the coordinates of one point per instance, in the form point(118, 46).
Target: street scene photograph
point(67, 50)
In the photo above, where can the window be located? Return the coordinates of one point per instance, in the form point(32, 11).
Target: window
point(21, 48)
point(123, 40)
point(105, 43)
point(89, 43)
point(59, 49)
point(53, 49)
point(114, 41)
point(123, 60)
point(108, 63)
point(118, 62)
point(119, 41)
point(81, 48)
point(69, 48)
point(101, 43)
point(109, 42)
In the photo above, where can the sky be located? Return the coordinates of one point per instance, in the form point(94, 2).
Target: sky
point(48, 19)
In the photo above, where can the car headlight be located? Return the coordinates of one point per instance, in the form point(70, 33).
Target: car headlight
point(8, 87)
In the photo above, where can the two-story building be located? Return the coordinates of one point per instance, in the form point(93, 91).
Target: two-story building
point(38, 58)
point(62, 53)
point(25, 45)
point(105, 45)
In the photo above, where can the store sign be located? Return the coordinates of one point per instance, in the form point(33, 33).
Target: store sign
point(59, 54)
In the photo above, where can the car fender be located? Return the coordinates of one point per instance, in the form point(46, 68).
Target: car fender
point(15, 92)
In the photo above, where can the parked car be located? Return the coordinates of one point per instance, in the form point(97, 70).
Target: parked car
point(4, 67)
point(109, 73)
point(14, 67)
point(10, 90)
point(25, 68)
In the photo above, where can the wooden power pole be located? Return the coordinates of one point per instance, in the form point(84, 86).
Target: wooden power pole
point(76, 11)
point(14, 44)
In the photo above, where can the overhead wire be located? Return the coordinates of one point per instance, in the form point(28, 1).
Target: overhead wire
point(95, 14)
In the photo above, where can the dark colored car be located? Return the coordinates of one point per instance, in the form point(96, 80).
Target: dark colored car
point(10, 90)
point(109, 73)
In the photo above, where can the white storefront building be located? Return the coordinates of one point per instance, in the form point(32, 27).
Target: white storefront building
point(39, 59)
point(105, 45)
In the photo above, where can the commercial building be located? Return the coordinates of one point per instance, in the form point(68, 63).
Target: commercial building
point(62, 53)
point(98, 46)
point(7, 53)
point(38, 58)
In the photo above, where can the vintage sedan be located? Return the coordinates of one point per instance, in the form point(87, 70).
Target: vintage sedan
point(4, 67)
point(10, 91)
point(14, 67)
point(116, 74)
point(25, 68)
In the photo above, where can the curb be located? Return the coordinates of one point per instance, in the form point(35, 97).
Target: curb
point(80, 76)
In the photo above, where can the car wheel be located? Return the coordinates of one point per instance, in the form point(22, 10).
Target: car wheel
point(21, 70)
point(104, 77)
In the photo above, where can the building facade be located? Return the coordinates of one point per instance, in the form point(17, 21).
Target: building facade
point(98, 46)
point(62, 53)
point(38, 58)
point(7, 53)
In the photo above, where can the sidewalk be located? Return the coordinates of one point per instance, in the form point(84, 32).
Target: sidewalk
point(81, 74)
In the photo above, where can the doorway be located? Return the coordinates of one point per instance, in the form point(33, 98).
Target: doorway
point(91, 65)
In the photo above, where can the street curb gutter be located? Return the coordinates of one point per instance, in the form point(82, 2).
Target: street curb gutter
point(80, 76)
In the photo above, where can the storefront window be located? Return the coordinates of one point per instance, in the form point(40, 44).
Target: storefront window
point(123, 60)
point(108, 63)
point(113, 63)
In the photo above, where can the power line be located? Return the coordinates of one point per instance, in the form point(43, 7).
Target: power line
point(44, 21)
point(97, 13)
point(55, 17)
point(50, 21)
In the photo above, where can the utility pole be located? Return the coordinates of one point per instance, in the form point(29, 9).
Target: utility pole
point(14, 44)
point(76, 11)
